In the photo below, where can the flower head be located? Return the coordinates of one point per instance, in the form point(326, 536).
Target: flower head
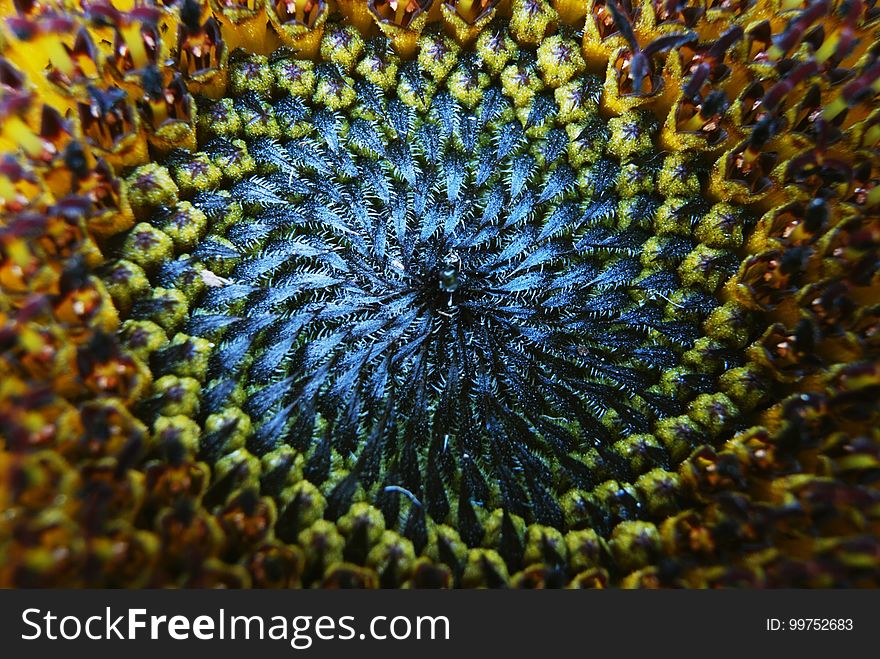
point(439, 293)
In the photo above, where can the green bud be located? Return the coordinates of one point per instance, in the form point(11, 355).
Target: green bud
point(342, 46)
point(660, 491)
point(531, 19)
point(258, 120)
point(678, 177)
point(484, 569)
point(219, 119)
point(294, 76)
point(335, 94)
point(233, 424)
point(731, 324)
point(559, 60)
point(180, 429)
point(634, 544)
point(722, 226)
point(126, 282)
point(585, 549)
point(148, 247)
point(466, 86)
point(250, 74)
point(641, 452)
point(715, 412)
point(381, 71)
point(520, 83)
point(196, 353)
point(496, 49)
point(544, 544)
point(438, 55)
point(746, 385)
point(150, 188)
point(680, 435)
point(185, 225)
point(168, 308)
point(632, 135)
point(180, 396)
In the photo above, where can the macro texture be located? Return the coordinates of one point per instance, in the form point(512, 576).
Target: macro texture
point(442, 294)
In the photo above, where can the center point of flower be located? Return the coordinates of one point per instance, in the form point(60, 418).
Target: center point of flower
point(449, 274)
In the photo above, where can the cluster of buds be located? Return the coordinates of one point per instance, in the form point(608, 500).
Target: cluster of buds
point(119, 467)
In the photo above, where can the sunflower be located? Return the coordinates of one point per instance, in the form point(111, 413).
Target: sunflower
point(439, 293)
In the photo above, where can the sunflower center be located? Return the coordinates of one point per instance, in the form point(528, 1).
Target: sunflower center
point(445, 280)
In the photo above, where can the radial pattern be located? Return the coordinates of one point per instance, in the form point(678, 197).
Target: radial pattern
point(509, 292)
point(439, 297)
